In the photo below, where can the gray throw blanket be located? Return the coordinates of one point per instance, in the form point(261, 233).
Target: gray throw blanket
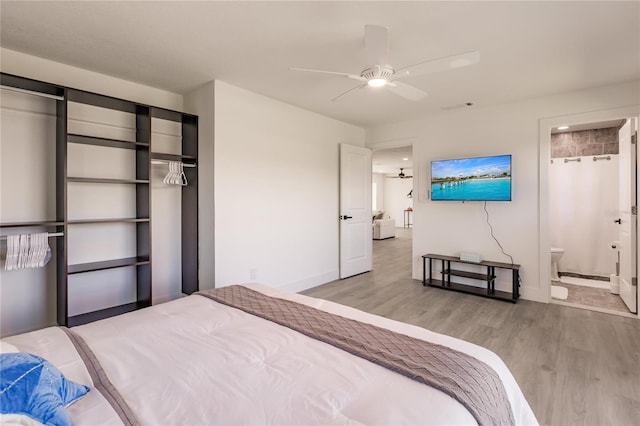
point(470, 381)
point(101, 380)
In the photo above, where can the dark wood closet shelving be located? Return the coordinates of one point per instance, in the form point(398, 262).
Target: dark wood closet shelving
point(109, 220)
point(112, 143)
point(142, 146)
point(171, 157)
point(189, 229)
point(105, 313)
point(106, 180)
point(30, 224)
point(107, 264)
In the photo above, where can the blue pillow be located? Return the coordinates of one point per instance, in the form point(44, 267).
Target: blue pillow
point(32, 386)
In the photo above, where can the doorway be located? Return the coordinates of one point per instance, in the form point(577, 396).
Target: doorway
point(392, 199)
point(587, 184)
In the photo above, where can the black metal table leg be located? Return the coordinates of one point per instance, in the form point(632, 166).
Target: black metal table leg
point(424, 270)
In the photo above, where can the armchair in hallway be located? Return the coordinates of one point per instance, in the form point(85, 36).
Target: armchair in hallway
point(384, 228)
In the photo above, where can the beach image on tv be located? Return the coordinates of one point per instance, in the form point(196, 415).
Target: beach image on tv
point(472, 179)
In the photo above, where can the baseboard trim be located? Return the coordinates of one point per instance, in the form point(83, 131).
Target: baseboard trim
point(586, 277)
point(307, 283)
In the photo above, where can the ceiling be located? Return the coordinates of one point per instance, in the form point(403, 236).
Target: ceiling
point(389, 161)
point(527, 49)
point(590, 126)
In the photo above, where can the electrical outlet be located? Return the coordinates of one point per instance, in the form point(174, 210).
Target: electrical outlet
point(253, 274)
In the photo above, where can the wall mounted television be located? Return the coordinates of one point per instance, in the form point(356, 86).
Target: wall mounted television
point(472, 179)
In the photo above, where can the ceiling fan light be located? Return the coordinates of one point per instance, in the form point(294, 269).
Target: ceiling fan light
point(377, 82)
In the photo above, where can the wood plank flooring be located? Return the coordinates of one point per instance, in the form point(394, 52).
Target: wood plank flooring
point(574, 366)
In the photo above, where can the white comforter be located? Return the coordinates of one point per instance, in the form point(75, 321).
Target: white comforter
point(193, 361)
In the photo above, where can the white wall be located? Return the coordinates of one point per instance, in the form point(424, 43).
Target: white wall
point(276, 198)
point(451, 227)
point(23, 65)
point(27, 185)
point(378, 179)
point(395, 198)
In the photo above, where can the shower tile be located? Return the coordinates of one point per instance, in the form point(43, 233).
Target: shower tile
point(556, 138)
point(581, 138)
point(591, 149)
point(611, 148)
point(563, 151)
point(561, 139)
point(604, 135)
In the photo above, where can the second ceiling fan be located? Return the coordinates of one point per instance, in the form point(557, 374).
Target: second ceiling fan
point(380, 74)
point(401, 175)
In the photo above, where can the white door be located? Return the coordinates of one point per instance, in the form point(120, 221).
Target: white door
point(627, 221)
point(355, 210)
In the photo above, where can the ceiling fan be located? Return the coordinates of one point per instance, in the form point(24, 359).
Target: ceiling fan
point(380, 74)
point(401, 175)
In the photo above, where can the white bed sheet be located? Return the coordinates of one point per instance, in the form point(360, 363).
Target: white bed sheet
point(194, 361)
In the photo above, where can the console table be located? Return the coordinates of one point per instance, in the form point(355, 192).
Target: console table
point(489, 278)
point(407, 218)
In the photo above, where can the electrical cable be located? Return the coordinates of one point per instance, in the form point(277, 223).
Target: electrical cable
point(493, 236)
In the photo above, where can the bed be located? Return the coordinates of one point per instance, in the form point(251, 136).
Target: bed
point(202, 361)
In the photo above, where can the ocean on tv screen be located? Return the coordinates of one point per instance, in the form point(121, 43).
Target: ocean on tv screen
point(497, 189)
point(472, 179)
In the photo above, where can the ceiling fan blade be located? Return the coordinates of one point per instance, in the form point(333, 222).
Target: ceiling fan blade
point(350, 90)
point(343, 74)
point(376, 44)
point(441, 64)
point(406, 91)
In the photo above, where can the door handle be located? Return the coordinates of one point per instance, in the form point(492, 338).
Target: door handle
point(618, 221)
point(345, 217)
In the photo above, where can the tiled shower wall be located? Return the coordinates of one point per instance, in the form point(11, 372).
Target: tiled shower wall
point(585, 142)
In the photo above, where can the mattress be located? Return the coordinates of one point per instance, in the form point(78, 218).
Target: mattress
point(198, 362)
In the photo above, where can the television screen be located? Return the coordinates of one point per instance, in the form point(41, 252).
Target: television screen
point(472, 179)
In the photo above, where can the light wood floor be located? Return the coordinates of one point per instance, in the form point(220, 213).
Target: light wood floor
point(574, 366)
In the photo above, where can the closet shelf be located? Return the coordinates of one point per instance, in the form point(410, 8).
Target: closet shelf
point(171, 157)
point(113, 143)
point(27, 224)
point(106, 180)
point(139, 206)
point(111, 220)
point(107, 264)
point(105, 313)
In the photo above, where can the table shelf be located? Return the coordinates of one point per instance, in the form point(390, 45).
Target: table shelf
point(489, 278)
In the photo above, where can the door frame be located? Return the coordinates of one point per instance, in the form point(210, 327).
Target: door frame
point(418, 191)
point(545, 126)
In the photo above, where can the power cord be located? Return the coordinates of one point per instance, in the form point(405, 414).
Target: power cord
point(493, 236)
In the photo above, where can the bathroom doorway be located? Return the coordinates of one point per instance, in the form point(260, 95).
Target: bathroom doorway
point(592, 233)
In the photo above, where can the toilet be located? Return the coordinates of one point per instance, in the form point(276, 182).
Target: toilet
point(556, 254)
